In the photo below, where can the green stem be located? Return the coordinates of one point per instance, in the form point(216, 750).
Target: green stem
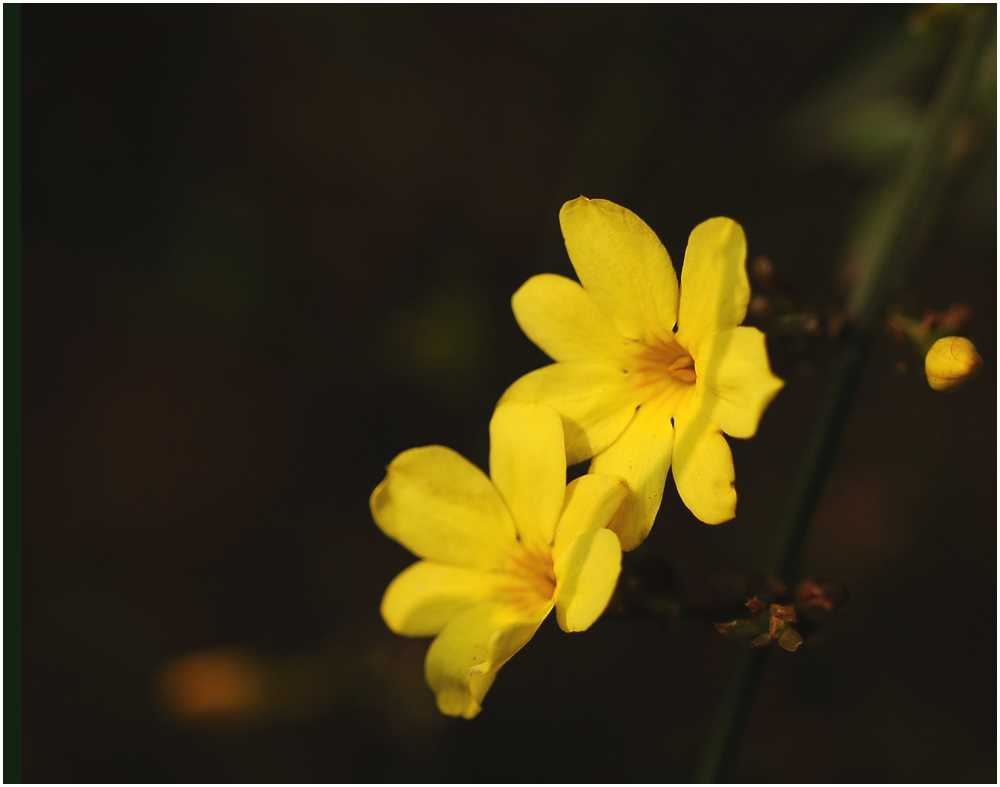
point(886, 256)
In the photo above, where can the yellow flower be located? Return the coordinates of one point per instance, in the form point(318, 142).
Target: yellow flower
point(952, 363)
point(634, 392)
point(498, 555)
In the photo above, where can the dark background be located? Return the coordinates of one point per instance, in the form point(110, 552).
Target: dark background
point(267, 249)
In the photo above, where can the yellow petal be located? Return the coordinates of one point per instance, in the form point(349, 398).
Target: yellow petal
point(427, 596)
point(586, 575)
point(591, 503)
point(623, 266)
point(441, 506)
point(596, 403)
point(703, 466)
point(528, 467)
point(463, 660)
point(952, 363)
point(642, 457)
point(559, 316)
point(735, 379)
point(715, 290)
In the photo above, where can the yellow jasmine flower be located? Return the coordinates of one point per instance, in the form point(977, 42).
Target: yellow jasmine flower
point(952, 363)
point(648, 376)
point(498, 554)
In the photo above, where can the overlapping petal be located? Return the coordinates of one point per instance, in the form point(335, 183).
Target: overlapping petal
point(463, 660)
point(442, 507)
point(591, 503)
point(596, 403)
point(528, 467)
point(586, 575)
point(424, 598)
point(642, 457)
point(735, 380)
point(559, 316)
point(623, 266)
point(703, 465)
point(715, 290)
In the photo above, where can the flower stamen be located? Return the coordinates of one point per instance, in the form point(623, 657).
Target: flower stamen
point(683, 369)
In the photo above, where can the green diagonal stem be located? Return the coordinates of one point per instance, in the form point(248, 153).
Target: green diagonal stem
point(886, 257)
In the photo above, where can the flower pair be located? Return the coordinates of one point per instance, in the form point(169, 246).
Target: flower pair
point(648, 376)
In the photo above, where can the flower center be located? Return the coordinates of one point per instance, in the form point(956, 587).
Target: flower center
point(532, 579)
point(663, 366)
point(683, 369)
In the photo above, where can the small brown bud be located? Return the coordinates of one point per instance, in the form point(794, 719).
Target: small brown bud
point(828, 594)
point(761, 307)
point(762, 270)
point(780, 615)
point(755, 605)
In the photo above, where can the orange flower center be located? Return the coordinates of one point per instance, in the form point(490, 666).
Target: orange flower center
point(663, 369)
point(532, 579)
point(683, 369)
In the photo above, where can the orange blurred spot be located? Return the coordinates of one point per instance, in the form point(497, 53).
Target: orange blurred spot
point(214, 685)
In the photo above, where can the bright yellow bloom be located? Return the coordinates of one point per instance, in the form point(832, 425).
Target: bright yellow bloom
point(952, 363)
point(498, 555)
point(648, 376)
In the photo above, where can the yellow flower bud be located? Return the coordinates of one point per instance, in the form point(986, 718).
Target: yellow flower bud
point(952, 363)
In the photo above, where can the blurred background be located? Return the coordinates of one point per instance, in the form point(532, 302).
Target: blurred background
point(265, 249)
